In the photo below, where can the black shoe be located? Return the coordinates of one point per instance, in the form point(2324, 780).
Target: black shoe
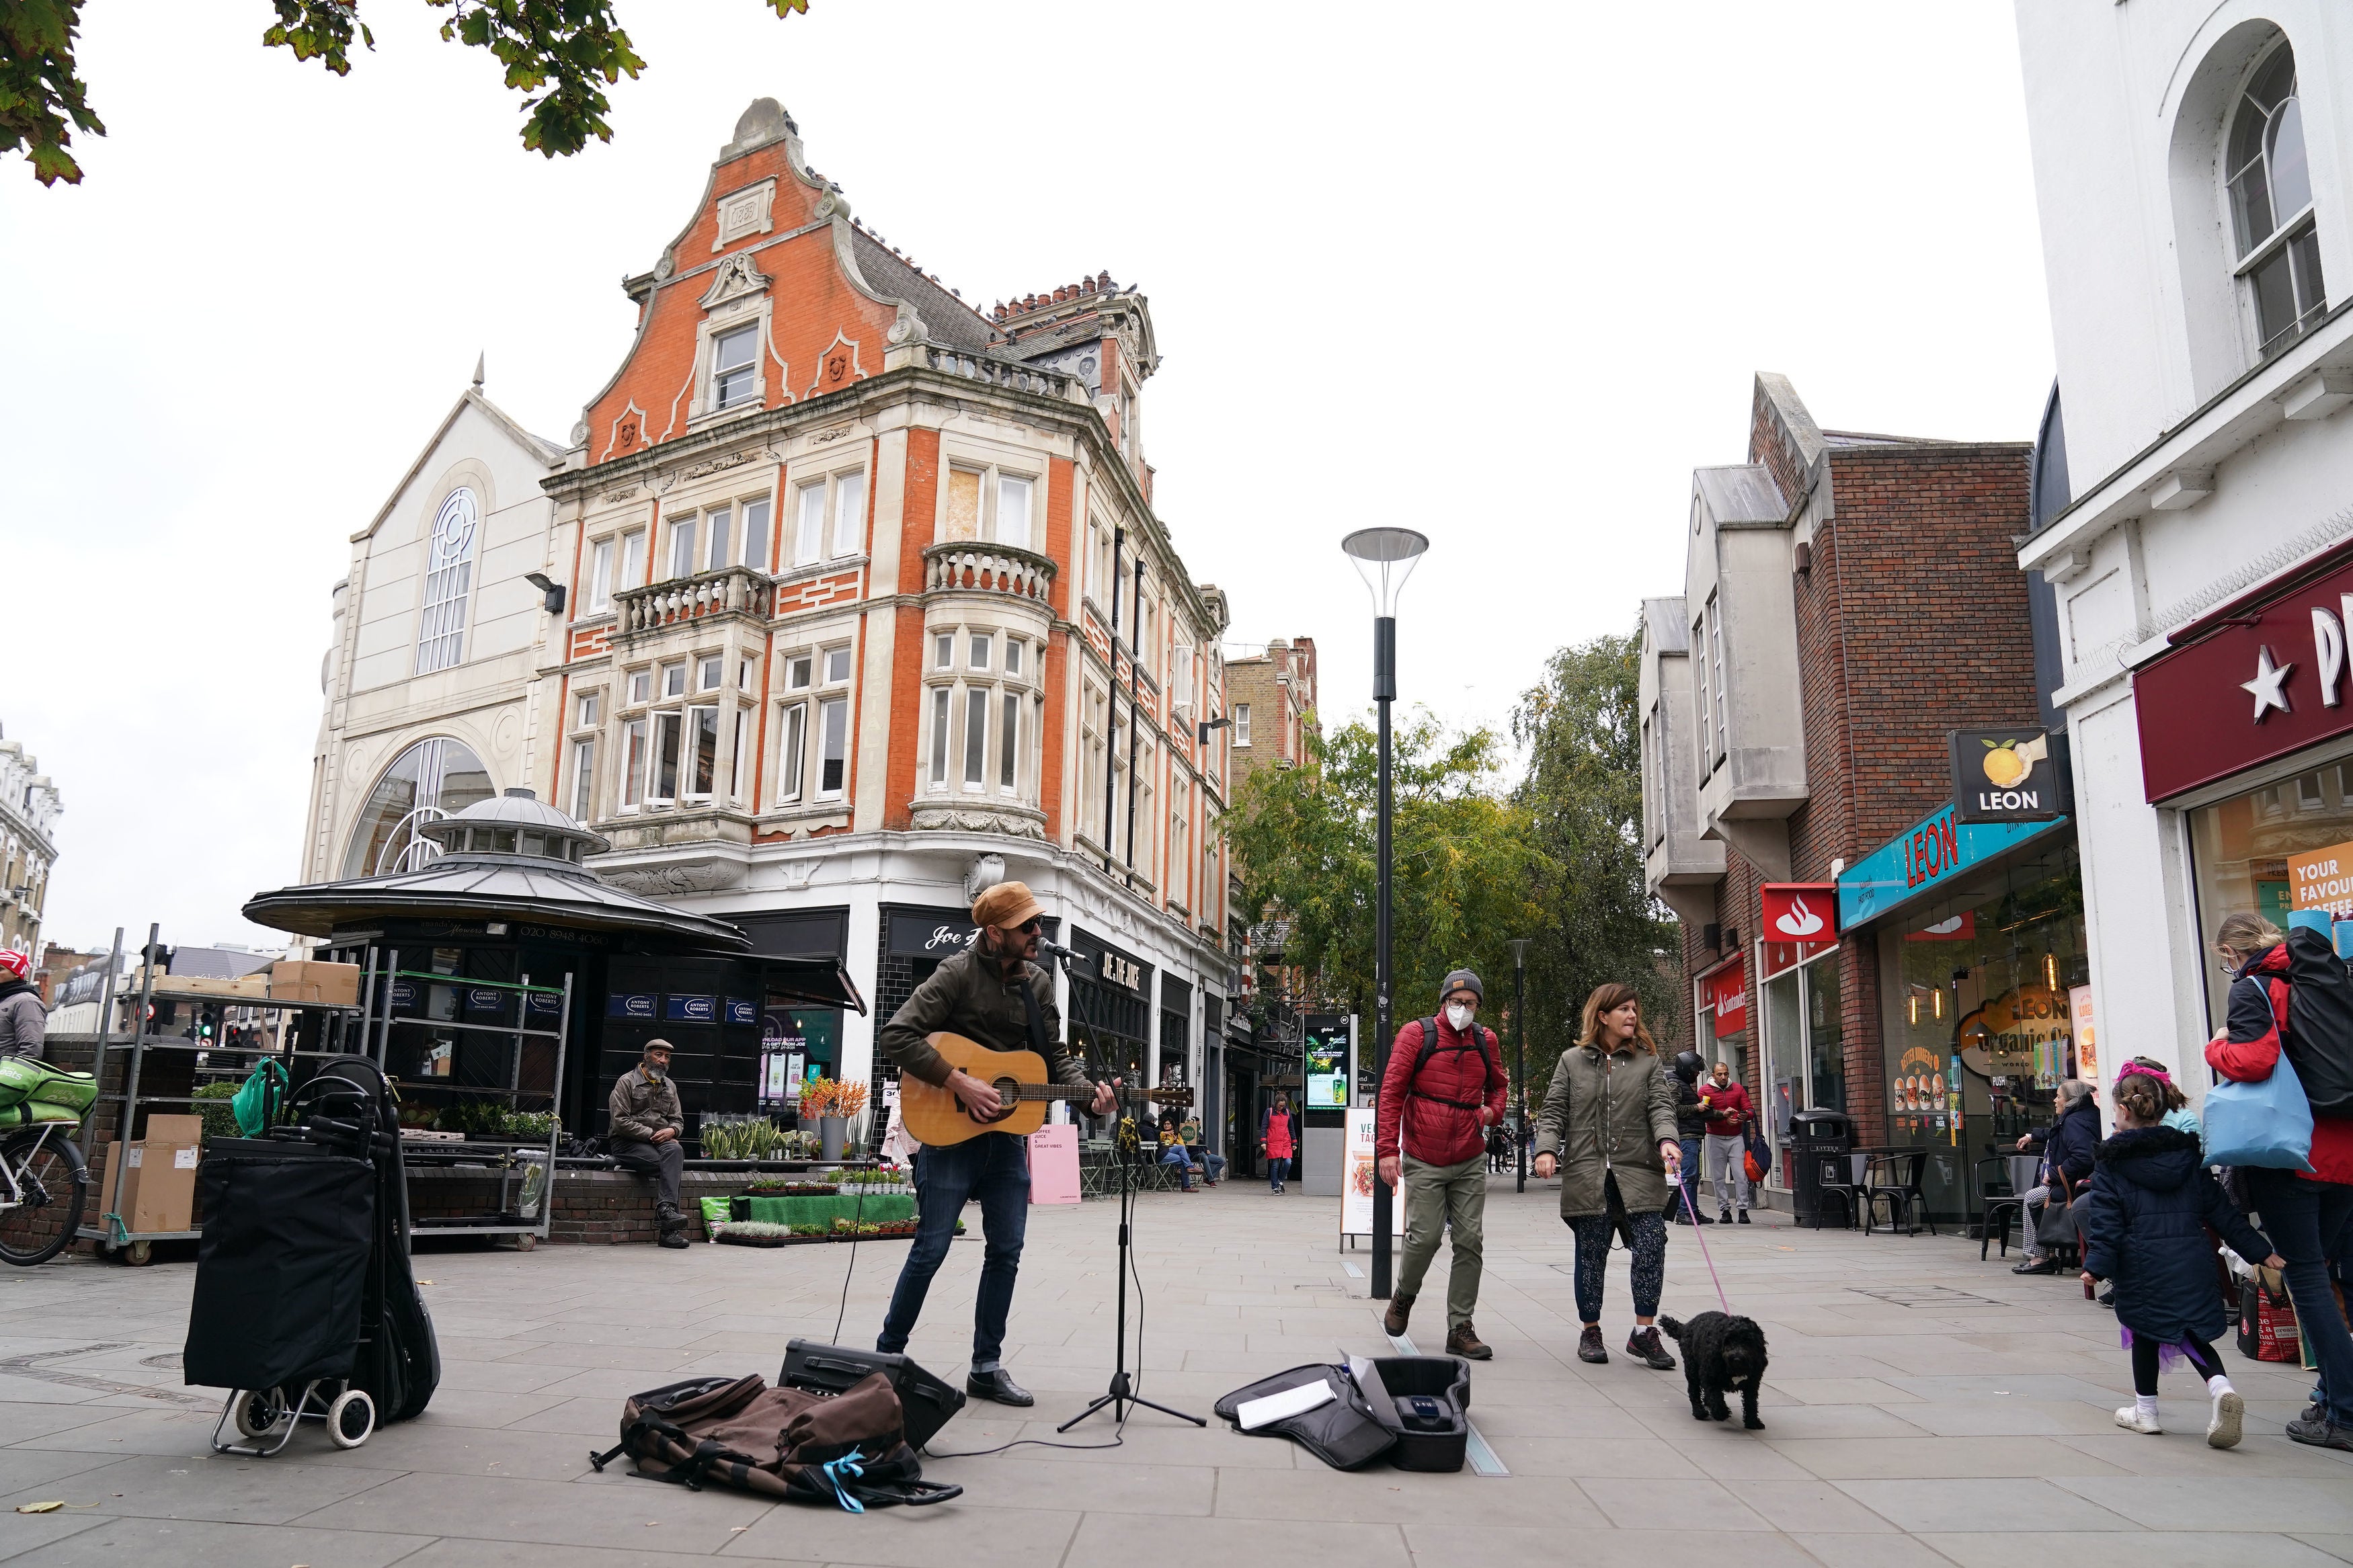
point(1701, 1219)
point(1744, 1216)
point(1643, 1345)
point(2045, 1265)
point(998, 1385)
point(1724, 1216)
point(2321, 1434)
point(1589, 1348)
point(2107, 1297)
point(673, 1239)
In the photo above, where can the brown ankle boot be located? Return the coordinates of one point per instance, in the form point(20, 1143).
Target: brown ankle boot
point(1463, 1340)
point(1394, 1320)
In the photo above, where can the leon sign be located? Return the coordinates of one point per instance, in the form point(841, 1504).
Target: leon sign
point(2003, 775)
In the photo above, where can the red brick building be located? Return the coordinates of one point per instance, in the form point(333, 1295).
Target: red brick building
point(1850, 599)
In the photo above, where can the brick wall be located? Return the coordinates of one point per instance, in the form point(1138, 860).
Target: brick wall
point(1910, 621)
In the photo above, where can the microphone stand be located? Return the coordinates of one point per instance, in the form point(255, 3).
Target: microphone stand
point(1121, 1392)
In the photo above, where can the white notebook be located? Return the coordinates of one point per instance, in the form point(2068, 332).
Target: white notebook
point(1257, 1413)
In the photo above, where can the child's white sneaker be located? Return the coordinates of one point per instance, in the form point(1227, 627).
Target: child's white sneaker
point(2132, 1418)
point(2230, 1416)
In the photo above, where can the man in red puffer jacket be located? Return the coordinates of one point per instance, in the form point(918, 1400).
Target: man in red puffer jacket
point(1444, 1088)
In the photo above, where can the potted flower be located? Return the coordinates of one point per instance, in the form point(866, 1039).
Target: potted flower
point(821, 1101)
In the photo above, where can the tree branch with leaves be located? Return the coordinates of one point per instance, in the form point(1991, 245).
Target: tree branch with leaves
point(560, 54)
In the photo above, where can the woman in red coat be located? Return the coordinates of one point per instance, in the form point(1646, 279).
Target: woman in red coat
point(1275, 1141)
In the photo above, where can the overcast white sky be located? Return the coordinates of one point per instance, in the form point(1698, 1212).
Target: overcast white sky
point(1500, 273)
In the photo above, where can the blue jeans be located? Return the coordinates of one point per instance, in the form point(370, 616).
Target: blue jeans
point(1174, 1155)
point(1213, 1163)
point(994, 1168)
point(1688, 1182)
point(1276, 1170)
point(2303, 1221)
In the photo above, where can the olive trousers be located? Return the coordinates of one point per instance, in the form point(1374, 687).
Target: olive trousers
point(1438, 1197)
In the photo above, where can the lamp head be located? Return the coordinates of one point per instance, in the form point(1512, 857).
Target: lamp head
point(551, 593)
point(1383, 558)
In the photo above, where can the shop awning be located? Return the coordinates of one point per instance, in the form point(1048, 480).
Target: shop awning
point(811, 982)
point(484, 887)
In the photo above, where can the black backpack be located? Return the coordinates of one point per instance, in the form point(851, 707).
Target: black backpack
point(2318, 1038)
point(1485, 1043)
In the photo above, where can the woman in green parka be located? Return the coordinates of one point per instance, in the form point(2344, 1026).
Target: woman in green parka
point(1609, 1126)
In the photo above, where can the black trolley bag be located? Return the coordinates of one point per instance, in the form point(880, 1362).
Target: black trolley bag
point(2318, 1032)
point(302, 1273)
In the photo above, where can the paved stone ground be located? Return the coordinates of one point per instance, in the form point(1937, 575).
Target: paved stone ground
point(1925, 1411)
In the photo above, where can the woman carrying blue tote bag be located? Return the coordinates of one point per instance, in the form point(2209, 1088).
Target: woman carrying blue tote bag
point(2266, 1124)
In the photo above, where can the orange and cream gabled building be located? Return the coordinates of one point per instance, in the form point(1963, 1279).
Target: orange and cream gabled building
point(868, 606)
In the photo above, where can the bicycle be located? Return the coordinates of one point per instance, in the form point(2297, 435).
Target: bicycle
point(44, 1185)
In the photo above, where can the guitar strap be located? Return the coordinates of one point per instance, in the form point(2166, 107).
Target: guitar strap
point(1037, 1019)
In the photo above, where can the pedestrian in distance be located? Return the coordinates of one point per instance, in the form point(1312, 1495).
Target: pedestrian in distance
point(1690, 1133)
point(2305, 1215)
point(2150, 1203)
point(1444, 1088)
point(1726, 1150)
point(2067, 1146)
point(1608, 1127)
point(1276, 1138)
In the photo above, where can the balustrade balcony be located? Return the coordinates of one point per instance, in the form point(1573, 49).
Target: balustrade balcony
point(970, 564)
point(736, 591)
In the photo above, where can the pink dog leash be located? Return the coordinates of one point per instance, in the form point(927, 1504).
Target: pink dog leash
point(1691, 1210)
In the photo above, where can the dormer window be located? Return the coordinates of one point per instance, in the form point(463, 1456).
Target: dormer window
point(2272, 220)
point(735, 366)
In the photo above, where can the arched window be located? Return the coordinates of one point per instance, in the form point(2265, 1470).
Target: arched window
point(431, 780)
point(2270, 188)
point(449, 571)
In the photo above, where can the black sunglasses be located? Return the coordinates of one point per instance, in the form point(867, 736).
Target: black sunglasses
point(1032, 926)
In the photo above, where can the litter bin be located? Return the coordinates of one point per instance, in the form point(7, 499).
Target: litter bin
point(1813, 1133)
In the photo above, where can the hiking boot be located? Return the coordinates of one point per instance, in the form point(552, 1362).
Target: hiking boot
point(1589, 1345)
point(673, 1239)
point(1463, 1340)
point(2321, 1434)
point(1643, 1345)
point(1393, 1321)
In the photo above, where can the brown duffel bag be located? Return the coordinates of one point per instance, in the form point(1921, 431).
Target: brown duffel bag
point(849, 1449)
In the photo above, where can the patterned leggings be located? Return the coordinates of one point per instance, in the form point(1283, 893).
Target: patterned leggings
point(1593, 1233)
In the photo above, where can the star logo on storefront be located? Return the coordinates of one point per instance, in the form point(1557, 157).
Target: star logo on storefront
point(2269, 688)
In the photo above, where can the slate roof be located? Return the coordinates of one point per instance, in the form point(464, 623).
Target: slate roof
point(950, 321)
point(1741, 493)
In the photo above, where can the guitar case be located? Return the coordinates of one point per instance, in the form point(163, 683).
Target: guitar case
point(1343, 1432)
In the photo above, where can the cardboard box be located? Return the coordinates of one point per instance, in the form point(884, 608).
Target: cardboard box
point(306, 980)
point(159, 1187)
point(162, 1129)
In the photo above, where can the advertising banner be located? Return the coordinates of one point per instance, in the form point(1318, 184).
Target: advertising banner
point(1358, 1178)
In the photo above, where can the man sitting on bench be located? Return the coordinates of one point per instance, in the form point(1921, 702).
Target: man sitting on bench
point(647, 1123)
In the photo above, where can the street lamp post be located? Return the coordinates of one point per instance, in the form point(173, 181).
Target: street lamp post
point(1383, 558)
point(1520, 1052)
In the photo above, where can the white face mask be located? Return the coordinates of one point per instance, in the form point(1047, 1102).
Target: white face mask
point(1458, 1016)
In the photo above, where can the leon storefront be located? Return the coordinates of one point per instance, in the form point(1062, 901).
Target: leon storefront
point(1973, 919)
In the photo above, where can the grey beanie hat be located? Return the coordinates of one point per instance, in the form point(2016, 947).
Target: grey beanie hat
point(1462, 980)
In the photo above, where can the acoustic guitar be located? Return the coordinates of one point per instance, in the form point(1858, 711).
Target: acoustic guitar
point(937, 1118)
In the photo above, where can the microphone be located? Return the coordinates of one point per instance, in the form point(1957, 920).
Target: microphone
point(1056, 949)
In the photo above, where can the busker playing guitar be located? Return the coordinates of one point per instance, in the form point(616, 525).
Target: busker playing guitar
point(992, 994)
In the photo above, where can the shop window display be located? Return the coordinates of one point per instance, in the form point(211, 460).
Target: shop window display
point(2246, 853)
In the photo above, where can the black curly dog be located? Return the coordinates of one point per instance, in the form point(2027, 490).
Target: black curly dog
point(1721, 1352)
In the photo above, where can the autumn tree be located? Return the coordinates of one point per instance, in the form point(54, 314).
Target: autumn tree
point(560, 54)
point(1581, 796)
point(1463, 864)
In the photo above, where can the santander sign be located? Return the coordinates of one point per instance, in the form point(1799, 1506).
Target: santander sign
point(1798, 911)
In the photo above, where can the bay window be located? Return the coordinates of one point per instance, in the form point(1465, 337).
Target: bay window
point(981, 729)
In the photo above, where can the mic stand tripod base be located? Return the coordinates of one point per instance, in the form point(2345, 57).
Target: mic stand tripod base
point(1121, 1392)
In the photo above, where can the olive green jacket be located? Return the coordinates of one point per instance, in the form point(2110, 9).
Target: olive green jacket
point(1605, 1115)
point(970, 995)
